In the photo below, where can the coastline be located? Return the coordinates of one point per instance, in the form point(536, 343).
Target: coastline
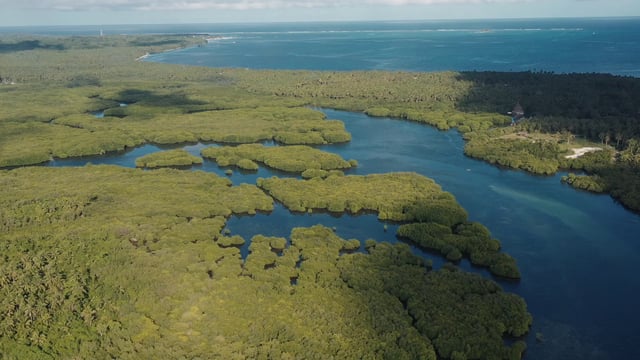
point(140, 58)
point(206, 38)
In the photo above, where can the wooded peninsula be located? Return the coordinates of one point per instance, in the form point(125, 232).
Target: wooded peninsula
point(112, 262)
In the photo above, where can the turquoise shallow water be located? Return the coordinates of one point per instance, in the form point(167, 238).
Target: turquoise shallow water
point(559, 45)
point(607, 45)
point(577, 251)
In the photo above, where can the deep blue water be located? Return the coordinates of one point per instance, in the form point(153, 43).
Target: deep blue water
point(558, 45)
point(561, 45)
point(578, 252)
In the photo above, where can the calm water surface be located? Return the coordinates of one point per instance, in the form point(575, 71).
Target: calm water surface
point(558, 45)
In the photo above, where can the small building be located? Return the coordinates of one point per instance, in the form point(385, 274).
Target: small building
point(516, 114)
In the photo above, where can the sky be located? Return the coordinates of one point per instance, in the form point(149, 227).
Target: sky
point(105, 12)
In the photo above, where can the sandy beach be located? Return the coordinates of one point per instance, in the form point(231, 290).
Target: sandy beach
point(581, 151)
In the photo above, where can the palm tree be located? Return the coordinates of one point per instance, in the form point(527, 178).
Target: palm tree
point(619, 137)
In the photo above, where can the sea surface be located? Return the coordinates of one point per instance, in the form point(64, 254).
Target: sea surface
point(562, 45)
point(558, 45)
point(578, 252)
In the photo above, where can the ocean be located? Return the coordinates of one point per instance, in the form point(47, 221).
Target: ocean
point(556, 45)
point(585, 45)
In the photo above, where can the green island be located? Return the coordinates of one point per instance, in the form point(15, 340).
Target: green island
point(107, 262)
point(295, 158)
point(394, 196)
point(437, 221)
point(167, 158)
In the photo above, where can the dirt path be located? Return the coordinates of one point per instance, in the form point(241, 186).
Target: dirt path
point(581, 151)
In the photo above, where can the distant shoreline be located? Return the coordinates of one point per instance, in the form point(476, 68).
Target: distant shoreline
point(206, 37)
point(140, 58)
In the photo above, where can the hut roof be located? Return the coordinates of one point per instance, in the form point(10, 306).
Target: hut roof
point(518, 110)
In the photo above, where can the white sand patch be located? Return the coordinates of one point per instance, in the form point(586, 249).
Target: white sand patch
point(143, 57)
point(581, 151)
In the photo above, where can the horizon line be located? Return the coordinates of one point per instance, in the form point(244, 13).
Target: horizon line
point(632, 17)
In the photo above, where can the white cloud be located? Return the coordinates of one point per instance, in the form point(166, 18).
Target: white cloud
point(79, 5)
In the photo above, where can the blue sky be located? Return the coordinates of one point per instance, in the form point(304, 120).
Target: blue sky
point(103, 12)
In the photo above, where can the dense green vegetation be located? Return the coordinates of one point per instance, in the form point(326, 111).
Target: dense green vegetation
point(437, 302)
point(620, 178)
point(518, 150)
point(588, 105)
point(168, 158)
point(84, 134)
point(465, 239)
point(105, 262)
point(596, 108)
point(48, 108)
point(296, 158)
point(584, 182)
point(439, 223)
point(423, 97)
point(395, 196)
point(96, 60)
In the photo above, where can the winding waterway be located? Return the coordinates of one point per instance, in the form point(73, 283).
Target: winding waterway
point(577, 251)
